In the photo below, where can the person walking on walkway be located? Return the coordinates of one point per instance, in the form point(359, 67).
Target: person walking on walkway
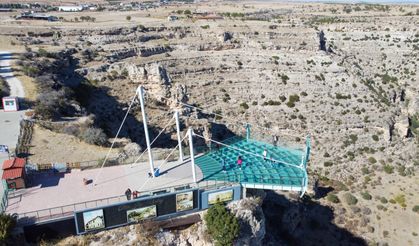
point(224, 165)
point(239, 162)
point(135, 194)
point(128, 194)
point(265, 154)
point(275, 140)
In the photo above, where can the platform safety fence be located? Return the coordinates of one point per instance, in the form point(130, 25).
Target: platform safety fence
point(67, 211)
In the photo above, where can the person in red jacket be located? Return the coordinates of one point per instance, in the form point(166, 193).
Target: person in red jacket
point(239, 162)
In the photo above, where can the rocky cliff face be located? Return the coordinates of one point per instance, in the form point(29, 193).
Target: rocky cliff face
point(195, 235)
point(282, 219)
point(251, 220)
point(252, 227)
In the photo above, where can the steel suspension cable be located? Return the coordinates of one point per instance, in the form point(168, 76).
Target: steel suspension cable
point(241, 123)
point(164, 162)
point(114, 140)
point(135, 162)
point(210, 112)
point(158, 135)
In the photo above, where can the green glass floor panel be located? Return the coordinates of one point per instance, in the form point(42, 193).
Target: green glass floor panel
point(254, 168)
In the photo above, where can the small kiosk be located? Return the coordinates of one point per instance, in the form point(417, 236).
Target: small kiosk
point(10, 104)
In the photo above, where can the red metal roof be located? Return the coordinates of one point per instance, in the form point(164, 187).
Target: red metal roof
point(14, 163)
point(12, 173)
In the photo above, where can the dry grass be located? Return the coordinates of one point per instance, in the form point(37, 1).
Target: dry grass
point(6, 44)
point(49, 147)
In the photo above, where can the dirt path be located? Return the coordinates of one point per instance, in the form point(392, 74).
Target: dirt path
point(16, 88)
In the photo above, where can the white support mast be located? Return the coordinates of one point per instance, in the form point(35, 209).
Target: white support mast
point(247, 131)
point(179, 139)
point(140, 92)
point(190, 134)
point(302, 161)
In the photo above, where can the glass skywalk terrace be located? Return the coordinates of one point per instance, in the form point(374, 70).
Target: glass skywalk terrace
point(283, 168)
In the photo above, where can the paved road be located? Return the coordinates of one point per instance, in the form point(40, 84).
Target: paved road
point(16, 88)
point(9, 121)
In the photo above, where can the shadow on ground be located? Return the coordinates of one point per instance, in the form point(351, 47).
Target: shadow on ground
point(110, 114)
point(54, 230)
point(323, 191)
point(47, 179)
point(302, 223)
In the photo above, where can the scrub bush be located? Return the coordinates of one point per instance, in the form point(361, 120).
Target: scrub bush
point(222, 226)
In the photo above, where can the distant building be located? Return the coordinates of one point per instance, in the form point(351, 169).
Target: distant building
point(10, 104)
point(172, 18)
point(36, 16)
point(70, 8)
point(14, 173)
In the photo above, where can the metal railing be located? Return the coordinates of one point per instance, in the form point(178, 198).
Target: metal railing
point(64, 211)
point(68, 210)
point(4, 201)
point(264, 179)
point(229, 180)
point(213, 147)
point(90, 164)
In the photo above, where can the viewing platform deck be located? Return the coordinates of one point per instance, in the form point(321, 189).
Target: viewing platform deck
point(283, 168)
point(55, 195)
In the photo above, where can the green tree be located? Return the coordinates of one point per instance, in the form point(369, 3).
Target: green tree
point(222, 225)
point(366, 195)
point(128, 18)
point(244, 105)
point(43, 52)
point(332, 198)
point(350, 199)
point(6, 225)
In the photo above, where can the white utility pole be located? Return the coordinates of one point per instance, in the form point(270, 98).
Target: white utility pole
point(140, 92)
point(190, 133)
point(179, 139)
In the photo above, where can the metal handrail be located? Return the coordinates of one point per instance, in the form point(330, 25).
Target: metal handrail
point(263, 179)
point(4, 201)
point(48, 213)
point(228, 180)
point(68, 210)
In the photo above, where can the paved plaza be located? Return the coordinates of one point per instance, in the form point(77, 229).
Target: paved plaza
point(56, 190)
